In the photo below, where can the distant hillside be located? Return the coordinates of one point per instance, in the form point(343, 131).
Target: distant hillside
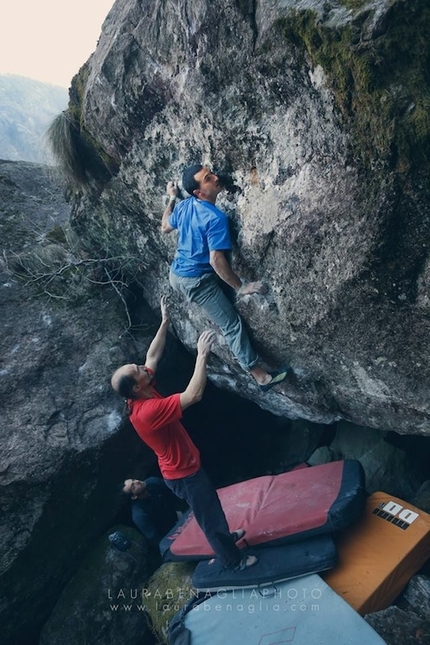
point(27, 108)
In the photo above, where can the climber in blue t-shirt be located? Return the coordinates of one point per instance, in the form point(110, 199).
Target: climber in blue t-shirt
point(202, 228)
point(201, 264)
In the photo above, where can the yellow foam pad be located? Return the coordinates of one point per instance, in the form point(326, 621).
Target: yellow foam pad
point(380, 553)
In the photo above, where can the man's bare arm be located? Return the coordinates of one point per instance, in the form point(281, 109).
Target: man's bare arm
point(156, 348)
point(172, 191)
point(196, 386)
point(222, 267)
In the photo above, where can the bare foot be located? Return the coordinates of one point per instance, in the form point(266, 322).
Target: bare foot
point(261, 376)
point(267, 380)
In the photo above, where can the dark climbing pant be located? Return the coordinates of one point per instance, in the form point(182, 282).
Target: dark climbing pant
point(203, 500)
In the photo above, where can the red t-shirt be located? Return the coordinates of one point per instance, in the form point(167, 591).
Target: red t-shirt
point(156, 421)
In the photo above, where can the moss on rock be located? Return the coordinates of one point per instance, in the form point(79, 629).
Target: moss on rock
point(168, 591)
point(379, 77)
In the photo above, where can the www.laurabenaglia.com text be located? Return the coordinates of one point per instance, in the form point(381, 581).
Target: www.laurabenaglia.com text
point(291, 599)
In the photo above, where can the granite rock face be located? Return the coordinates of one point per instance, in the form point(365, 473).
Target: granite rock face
point(417, 593)
point(399, 627)
point(62, 452)
point(103, 602)
point(387, 467)
point(320, 113)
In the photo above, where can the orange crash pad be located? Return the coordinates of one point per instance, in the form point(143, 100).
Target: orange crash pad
point(379, 554)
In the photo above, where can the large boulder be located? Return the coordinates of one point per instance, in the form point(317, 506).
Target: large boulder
point(63, 453)
point(399, 627)
point(320, 111)
point(387, 467)
point(103, 602)
point(422, 497)
point(417, 593)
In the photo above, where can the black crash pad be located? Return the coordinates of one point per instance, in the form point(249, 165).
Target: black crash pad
point(275, 564)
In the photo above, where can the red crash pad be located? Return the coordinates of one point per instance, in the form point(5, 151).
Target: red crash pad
point(279, 508)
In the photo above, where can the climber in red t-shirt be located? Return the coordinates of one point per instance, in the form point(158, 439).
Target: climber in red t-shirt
point(156, 420)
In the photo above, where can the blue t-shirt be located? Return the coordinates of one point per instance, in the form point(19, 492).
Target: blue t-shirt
point(202, 228)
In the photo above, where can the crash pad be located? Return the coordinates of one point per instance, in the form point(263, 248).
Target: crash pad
point(275, 564)
point(276, 509)
point(299, 612)
point(380, 553)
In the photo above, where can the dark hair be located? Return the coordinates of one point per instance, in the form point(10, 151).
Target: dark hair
point(125, 386)
point(188, 181)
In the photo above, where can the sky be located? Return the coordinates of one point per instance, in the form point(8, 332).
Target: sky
point(49, 40)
